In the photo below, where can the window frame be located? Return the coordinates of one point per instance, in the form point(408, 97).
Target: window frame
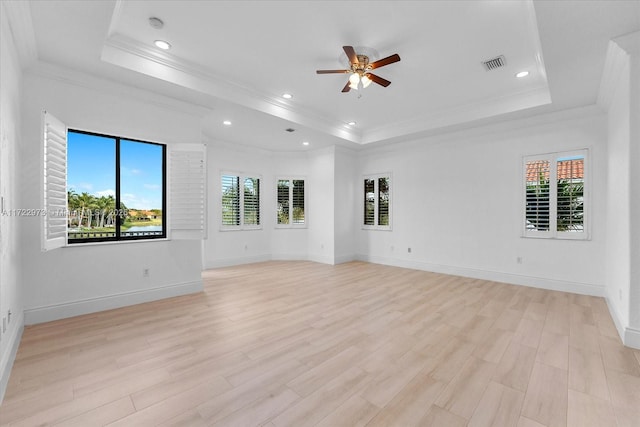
point(376, 178)
point(118, 237)
point(291, 224)
point(242, 176)
point(553, 232)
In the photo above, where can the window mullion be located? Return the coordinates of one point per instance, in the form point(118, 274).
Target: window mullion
point(553, 196)
point(118, 213)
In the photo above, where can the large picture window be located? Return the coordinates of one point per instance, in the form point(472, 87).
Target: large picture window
point(555, 195)
point(97, 188)
point(115, 188)
point(377, 202)
point(291, 203)
point(240, 201)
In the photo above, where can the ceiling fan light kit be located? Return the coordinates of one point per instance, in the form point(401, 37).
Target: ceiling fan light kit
point(360, 68)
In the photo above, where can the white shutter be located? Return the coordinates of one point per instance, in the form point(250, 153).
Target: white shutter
point(54, 183)
point(297, 202)
point(187, 191)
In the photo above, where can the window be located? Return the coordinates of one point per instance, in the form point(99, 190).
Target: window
point(101, 188)
point(115, 188)
point(377, 202)
point(555, 196)
point(291, 203)
point(240, 211)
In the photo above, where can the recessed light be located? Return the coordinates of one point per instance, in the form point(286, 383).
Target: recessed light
point(162, 44)
point(305, 143)
point(287, 96)
point(351, 123)
point(227, 123)
point(522, 74)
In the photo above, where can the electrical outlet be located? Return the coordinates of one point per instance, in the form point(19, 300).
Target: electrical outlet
point(408, 250)
point(519, 260)
point(145, 272)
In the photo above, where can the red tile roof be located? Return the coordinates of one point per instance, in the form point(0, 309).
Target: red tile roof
point(567, 169)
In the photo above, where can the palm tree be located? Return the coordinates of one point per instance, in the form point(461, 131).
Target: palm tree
point(72, 205)
point(85, 201)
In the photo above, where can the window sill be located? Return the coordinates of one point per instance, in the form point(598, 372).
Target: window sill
point(116, 242)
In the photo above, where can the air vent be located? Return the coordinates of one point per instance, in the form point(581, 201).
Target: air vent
point(290, 130)
point(494, 63)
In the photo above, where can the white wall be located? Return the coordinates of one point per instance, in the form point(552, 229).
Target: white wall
point(292, 243)
point(618, 236)
point(80, 279)
point(321, 206)
point(457, 203)
point(346, 186)
point(620, 95)
point(11, 292)
point(229, 247)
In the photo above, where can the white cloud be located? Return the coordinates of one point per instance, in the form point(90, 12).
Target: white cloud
point(152, 186)
point(105, 193)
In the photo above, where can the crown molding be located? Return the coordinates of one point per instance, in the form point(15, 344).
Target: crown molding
point(18, 15)
point(76, 78)
point(465, 114)
point(128, 53)
point(618, 52)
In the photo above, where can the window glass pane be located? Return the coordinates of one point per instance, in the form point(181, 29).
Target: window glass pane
point(369, 202)
point(283, 201)
point(383, 201)
point(537, 197)
point(298, 201)
point(252, 201)
point(91, 184)
point(570, 178)
point(141, 188)
point(230, 200)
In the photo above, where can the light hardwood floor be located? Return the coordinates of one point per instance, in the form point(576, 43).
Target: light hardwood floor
point(299, 343)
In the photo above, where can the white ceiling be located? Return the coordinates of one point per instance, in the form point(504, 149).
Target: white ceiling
point(237, 58)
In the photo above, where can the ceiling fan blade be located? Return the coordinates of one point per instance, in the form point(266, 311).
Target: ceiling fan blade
point(378, 79)
point(351, 54)
point(332, 71)
point(384, 61)
point(346, 87)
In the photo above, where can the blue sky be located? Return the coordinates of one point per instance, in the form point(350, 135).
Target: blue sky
point(91, 169)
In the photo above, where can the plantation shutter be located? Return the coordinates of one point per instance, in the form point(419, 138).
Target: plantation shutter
point(570, 190)
point(555, 195)
point(538, 190)
point(54, 183)
point(383, 201)
point(252, 201)
point(369, 202)
point(230, 200)
point(187, 193)
point(298, 201)
point(283, 201)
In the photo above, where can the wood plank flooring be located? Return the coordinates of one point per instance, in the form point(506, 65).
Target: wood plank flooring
point(303, 344)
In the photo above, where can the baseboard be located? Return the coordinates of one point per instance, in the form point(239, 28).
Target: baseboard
point(341, 259)
point(495, 276)
point(289, 257)
point(228, 262)
point(92, 305)
point(631, 338)
point(6, 363)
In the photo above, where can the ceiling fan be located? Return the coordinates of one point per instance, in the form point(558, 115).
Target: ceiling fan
point(360, 67)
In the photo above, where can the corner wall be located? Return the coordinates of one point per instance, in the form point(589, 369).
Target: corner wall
point(81, 279)
point(620, 96)
point(457, 202)
point(11, 289)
